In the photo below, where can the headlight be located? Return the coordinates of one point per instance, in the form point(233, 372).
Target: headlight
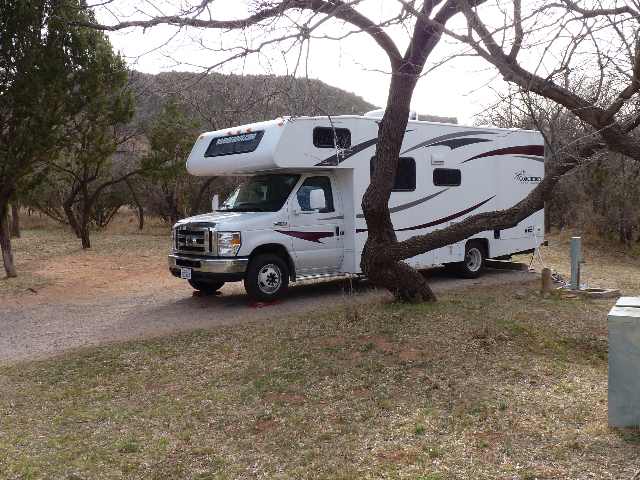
point(229, 243)
point(173, 239)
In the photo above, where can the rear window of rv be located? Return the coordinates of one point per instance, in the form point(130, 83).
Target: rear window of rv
point(325, 137)
point(405, 180)
point(447, 177)
point(232, 144)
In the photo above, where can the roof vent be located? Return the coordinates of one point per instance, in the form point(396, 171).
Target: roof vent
point(380, 113)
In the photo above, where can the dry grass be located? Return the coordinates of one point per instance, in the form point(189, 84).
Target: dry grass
point(608, 265)
point(479, 386)
point(43, 241)
point(497, 384)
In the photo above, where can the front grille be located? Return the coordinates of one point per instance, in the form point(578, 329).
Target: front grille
point(194, 239)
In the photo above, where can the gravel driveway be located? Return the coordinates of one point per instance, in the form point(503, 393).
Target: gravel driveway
point(38, 329)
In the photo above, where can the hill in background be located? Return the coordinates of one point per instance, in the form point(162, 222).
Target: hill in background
point(219, 101)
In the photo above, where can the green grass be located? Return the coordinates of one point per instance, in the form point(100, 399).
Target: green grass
point(479, 385)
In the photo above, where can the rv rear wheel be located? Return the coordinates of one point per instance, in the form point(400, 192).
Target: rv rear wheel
point(474, 258)
point(208, 288)
point(267, 278)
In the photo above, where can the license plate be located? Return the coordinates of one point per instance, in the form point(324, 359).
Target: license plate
point(185, 273)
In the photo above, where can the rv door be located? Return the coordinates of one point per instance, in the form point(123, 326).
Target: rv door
point(316, 225)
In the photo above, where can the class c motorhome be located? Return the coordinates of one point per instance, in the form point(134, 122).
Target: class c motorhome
point(298, 215)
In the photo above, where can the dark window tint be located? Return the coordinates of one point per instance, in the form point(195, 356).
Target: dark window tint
point(324, 137)
point(315, 183)
point(405, 176)
point(232, 144)
point(447, 177)
point(262, 193)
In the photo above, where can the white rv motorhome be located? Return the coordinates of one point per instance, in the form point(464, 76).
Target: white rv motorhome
point(298, 215)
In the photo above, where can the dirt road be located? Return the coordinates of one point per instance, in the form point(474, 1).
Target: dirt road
point(38, 325)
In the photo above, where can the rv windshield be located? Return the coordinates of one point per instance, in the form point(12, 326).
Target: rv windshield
point(262, 193)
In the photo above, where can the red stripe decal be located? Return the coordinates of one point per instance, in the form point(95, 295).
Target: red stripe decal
point(308, 236)
point(536, 150)
point(441, 220)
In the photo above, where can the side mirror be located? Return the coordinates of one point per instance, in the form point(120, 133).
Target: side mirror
point(317, 200)
point(215, 203)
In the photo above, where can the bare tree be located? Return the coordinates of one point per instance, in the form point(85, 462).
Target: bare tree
point(383, 256)
point(602, 195)
point(600, 45)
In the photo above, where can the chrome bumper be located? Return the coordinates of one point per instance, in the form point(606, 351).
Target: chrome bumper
point(210, 265)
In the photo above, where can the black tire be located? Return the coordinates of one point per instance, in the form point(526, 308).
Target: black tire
point(473, 265)
point(267, 278)
point(208, 288)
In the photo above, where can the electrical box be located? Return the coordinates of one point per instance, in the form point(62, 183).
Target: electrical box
point(624, 363)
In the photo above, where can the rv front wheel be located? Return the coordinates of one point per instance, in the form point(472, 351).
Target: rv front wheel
point(267, 277)
point(474, 258)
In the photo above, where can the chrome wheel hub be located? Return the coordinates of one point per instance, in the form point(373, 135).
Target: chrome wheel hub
point(269, 279)
point(473, 259)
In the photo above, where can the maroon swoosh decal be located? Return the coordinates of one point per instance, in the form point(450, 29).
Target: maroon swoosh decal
point(536, 150)
point(441, 220)
point(308, 236)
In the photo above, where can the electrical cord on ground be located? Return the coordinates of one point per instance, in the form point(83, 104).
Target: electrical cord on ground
point(556, 277)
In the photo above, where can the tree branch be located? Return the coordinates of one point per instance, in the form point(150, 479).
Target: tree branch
point(499, 220)
point(598, 12)
point(335, 8)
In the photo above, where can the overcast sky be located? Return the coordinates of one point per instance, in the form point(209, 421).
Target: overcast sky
point(460, 88)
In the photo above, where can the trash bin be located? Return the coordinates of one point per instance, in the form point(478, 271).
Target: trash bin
point(624, 363)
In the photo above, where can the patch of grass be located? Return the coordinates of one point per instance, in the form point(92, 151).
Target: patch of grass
point(629, 435)
point(433, 451)
point(430, 476)
point(129, 445)
point(43, 242)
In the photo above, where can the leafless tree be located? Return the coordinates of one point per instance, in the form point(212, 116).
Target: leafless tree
point(602, 195)
point(383, 256)
point(568, 43)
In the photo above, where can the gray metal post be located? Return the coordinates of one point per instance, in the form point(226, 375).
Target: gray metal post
point(576, 260)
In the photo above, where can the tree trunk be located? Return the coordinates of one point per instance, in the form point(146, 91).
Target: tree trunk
point(71, 218)
point(406, 283)
point(140, 217)
point(139, 207)
point(84, 237)
point(15, 220)
point(173, 213)
point(547, 218)
point(84, 221)
point(5, 241)
point(194, 208)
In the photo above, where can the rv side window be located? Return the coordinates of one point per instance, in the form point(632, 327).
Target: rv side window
point(447, 177)
point(323, 137)
point(405, 176)
point(315, 183)
point(232, 144)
